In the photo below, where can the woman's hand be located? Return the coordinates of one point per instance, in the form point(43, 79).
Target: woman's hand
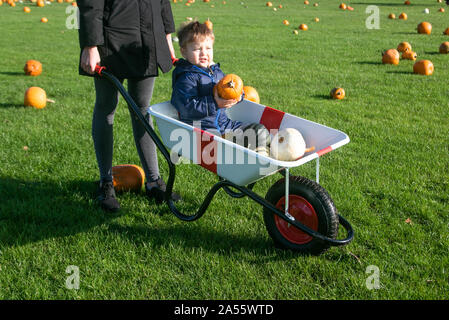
point(223, 103)
point(89, 59)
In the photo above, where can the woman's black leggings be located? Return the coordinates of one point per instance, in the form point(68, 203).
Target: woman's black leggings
point(141, 91)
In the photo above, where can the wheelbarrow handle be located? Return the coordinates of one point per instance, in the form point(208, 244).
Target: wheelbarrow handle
point(99, 69)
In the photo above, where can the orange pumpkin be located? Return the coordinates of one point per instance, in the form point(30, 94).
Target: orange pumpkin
point(127, 177)
point(409, 55)
point(230, 87)
point(403, 16)
point(424, 67)
point(40, 3)
point(446, 32)
point(306, 2)
point(391, 16)
point(424, 28)
point(269, 4)
point(407, 2)
point(444, 47)
point(35, 97)
point(441, 10)
point(404, 47)
point(33, 68)
point(337, 93)
point(44, 20)
point(390, 56)
point(209, 24)
point(286, 22)
point(251, 94)
point(303, 27)
point(26, 9)
point(316, 19)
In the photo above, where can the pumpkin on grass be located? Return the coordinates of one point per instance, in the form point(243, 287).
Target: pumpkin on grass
point(444, 47)
point(390, 56)
point(403, 16)
point(230, 87)
point(209, 24)
point(404, 47)
point(424, 28)
point(251, 94)
point(424, 67)
point(409, 55)
point(127, 177)
point(36, 97)
point(33, 68)
point(337, 93)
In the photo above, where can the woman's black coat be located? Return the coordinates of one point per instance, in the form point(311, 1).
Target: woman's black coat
point(130, 35)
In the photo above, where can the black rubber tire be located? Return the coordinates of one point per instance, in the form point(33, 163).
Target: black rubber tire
point(321, 202)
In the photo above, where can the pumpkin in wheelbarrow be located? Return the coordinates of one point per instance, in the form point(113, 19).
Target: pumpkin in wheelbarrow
point(127, 177)
point(251, 94)
point(287, 145)
point(230, 87)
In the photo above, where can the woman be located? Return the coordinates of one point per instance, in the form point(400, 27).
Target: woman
point(132, 39)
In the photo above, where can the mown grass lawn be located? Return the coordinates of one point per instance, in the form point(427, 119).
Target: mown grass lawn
point(391, 181)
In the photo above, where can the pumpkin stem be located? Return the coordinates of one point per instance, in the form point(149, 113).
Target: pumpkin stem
point(310, 149)
point(50, 100)
point(231, 84)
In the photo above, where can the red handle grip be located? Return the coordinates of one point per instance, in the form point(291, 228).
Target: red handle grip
point(99, 69)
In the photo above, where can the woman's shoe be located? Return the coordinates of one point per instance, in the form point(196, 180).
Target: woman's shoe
point(156, 190)
point(106, 197)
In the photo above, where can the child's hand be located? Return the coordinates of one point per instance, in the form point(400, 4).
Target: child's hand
point(223, 103)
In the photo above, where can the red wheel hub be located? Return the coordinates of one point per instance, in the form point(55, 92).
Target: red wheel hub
point(303, 212)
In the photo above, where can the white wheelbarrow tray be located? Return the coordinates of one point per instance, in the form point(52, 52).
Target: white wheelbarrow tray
point(233, 162)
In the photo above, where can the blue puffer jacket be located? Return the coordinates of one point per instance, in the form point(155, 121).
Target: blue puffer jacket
point(193, 98)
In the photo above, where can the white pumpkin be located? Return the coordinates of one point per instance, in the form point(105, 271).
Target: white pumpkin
point(287, 145)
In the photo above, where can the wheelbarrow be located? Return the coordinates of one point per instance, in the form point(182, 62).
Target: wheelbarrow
point(298, 212)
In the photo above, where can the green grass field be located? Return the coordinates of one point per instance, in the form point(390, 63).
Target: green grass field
point(391, 181)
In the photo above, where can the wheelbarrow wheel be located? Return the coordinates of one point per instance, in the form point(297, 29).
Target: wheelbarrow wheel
point(309, 204)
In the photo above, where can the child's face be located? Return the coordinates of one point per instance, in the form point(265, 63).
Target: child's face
point(199, 53)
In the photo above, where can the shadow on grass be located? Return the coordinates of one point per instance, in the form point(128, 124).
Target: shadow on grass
point(369, 62)
point(12, 73)
point(400, 72)
point(11, 105)
point(390, 4)
point(34, 211)
point(192, 236)
point(432, 53)
point(322, 96)
point(406, 33)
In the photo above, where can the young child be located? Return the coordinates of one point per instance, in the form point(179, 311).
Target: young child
point(193, 80)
